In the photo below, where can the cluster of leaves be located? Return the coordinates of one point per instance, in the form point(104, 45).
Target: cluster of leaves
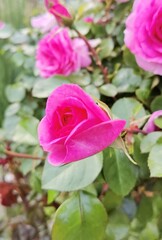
point(104, 196)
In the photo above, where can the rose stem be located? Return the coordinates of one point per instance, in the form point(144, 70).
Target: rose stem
point(103, 69)
point(22, 155)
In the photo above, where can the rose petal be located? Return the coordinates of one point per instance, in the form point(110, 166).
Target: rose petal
point(89, 142)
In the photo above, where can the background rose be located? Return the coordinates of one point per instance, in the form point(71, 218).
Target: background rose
point(143, 35)
point(57, 9)
point(74, 126)
point(57, 53)
point(44, 22)
point(150, 125)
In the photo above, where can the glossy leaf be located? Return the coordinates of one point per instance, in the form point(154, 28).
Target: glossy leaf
point(81, 217)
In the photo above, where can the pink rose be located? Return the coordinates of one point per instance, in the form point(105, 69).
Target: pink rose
point(74, 126)
point(143, 34)
point(44, 22)
point(150, 125)
point(57, 9)
point(57, 53)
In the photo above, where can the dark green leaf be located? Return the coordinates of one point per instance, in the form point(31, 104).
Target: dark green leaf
point(117, 170)
point(156, 104)
point(81, 217)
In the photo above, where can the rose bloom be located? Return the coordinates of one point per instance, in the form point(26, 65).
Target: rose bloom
point(74, 126)
point(57, 9)
point(143, 34)
point(150, 125)
point(58, 54)
point(44, 22)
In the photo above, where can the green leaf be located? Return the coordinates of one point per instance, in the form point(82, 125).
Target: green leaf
point(119, 144)
point(92, 90)
point(140, 158)
point(15, 92)
point(150, 232)
point(126, 80)
point(118, 226)
point(82, 27)
point(117, 170)
point(26, 131)
point(73, 176)
point(149, 141)
point(82, 78)
point(6, 32)
point(156, 104)
point(108, 90)
point(129, 59)
point(145, 210)
point(107, 46)
point(158, 122)
point(129, 109)
point(12, 109)
point(43, 87)
point(82, 217)
point(155, 161)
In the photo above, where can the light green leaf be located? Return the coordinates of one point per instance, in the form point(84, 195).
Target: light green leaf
point(126, 80)
point(108, 90)
point(6, 32)
point(92, 90)
point(158, 122)
point(149, 141)
point(73, 176)
point(82, 217)
point(107, 46)
point(155, 161)
point(43, 87)
point(129, 109)
point(15, 92)
point(26, 131)
point(117, 170)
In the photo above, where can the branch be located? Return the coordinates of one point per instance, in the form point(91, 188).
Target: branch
point(22, 155)
point(103, 69)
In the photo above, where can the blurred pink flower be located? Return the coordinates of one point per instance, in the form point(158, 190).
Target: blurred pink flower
point(44, 22)
point(2, 24)
point(88, 19)
point(143, 34)
point(57, 9)
point(150, 125)
point(74, 126)
point(57, 53)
